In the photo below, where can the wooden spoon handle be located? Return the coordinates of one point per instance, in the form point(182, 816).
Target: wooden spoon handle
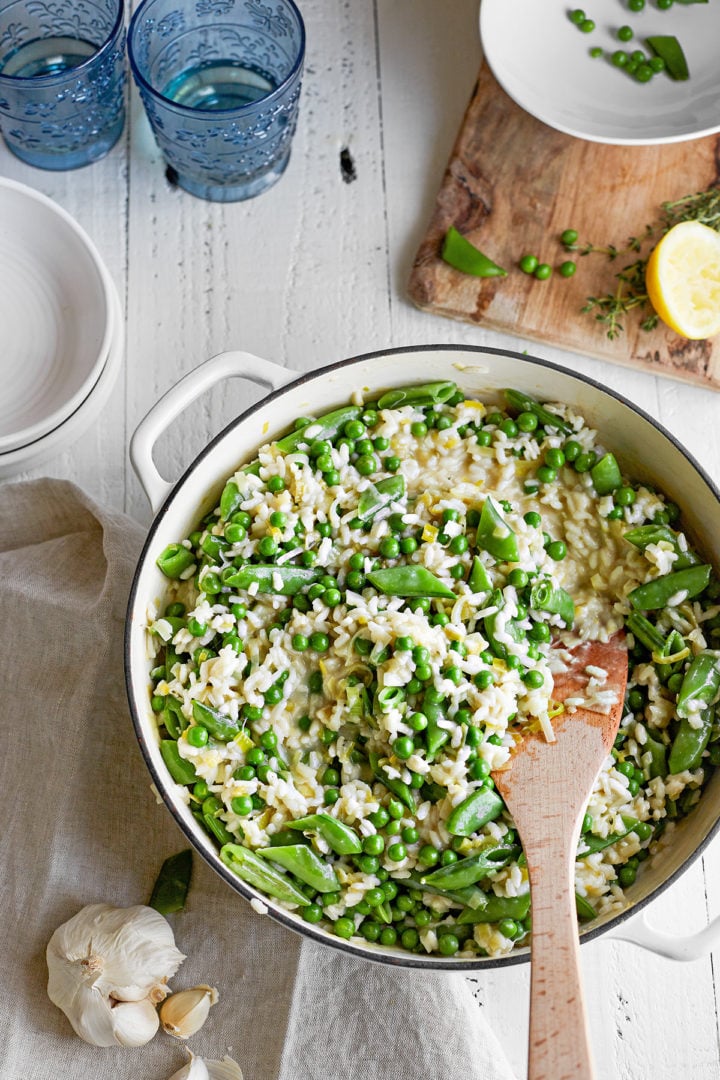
point(559, 1044)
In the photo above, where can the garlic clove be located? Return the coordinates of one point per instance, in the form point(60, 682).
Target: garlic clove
point(104, 955)
point(194, 1070)
point(197, 1069)
point(185, 1012)
point(227, 1069)
point(134, 1022)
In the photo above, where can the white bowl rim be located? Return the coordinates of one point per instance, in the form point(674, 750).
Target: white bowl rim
point(18, 440)
point(74, 426)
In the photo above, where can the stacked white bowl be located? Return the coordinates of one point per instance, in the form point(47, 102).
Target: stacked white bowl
point(62, 329)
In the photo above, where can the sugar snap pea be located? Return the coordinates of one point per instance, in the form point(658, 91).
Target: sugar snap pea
point(410, 581)
point(544, 596)
point(584, 909)
point(171, 887)
point(657, 766)
point(182, 771)
point(701, 682)
point(302, 861)
point(644, 632)
point(174, 560)
point(496, 909)
point(644, 535)
point(471, 896)
point(426, 394)
point(689, 743)
point(220, 726)
point(218, 829)
point(473, 868)
point(258, 873)
point(479, 581)
point(290, 579)
point(380, 495)
point(655, 594)
point(592, 843)
point(490, 625)
point(524, 403)
point(325, 427)
point(605, 475)
point(472, 813)
point(230, 500)
point(494, 535)
point(435, 737)
point(337, 835)
point(172, 717)
point(399, 788)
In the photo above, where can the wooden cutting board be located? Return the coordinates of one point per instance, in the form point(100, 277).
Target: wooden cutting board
point(512, 186)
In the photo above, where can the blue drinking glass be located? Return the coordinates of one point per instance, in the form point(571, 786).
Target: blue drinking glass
point(220, 82)
point(62, 79)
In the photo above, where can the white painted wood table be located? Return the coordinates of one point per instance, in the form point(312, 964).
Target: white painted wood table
point(314, 271)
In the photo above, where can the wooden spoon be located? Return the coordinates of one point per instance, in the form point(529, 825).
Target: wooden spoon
point(546, 786)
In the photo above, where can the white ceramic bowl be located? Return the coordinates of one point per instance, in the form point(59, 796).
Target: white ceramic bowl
point(56, 314)
point(46, 448)
point(646, 451)
point(542, 61)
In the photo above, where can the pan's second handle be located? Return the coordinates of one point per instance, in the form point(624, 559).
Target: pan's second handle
point(225, 365)
point(691, 947)
point(559, 1042)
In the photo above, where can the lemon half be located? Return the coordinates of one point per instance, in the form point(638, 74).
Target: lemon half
point(683, 280)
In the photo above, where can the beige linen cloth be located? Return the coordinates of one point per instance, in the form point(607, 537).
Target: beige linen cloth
point(81, 825)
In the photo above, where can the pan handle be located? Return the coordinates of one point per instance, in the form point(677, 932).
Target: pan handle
point(690, 947)
point(225, 365)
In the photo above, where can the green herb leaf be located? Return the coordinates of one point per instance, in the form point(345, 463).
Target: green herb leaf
point(171, 888)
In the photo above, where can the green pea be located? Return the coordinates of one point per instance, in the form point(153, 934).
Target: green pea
point(484, 679)
point(331, 796)
point(410, 834)
point(587, 26)
point(448, 945)
point(299, 642)
point(624, 496)
point(311, 913)
point(527, 421)
point(389, 547)
point(543, 271)
point(518, 578)
point(369, 864)
point(418, 429)
point(528, 264)
point(392, 463)
point(403, 747)
point(393, 828)
point(428, 855)
point(388, 936)
point(585, 461)
point(458, 545)
point(395, 809)
point(555, 458)
point(557, 550)
point(568, 268)
point(241, 805)
point(275, 484)
point(373, 845)
point(344, 928)
point(319, 642)
point(546, 475)
point(197, 736)
point(533, 679)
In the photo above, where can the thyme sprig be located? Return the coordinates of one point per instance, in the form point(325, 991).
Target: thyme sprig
point(630, 293)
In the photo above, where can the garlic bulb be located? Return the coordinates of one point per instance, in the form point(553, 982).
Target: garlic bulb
point(185, 1012)
point(198, 1069)
point(105, 957)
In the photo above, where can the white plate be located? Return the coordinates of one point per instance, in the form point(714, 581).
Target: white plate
point(51, 444)
point(542, 61)
point(55, 315)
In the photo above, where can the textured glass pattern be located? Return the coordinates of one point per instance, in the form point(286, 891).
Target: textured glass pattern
point(62, 79)
point(220, 81)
